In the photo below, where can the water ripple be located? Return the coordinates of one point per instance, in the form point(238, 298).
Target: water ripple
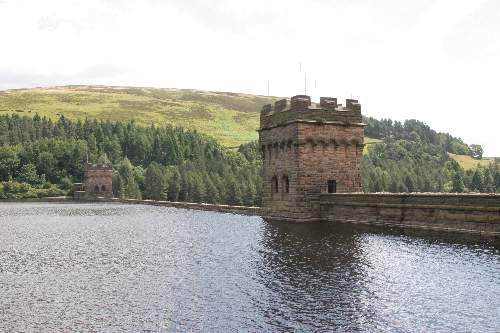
point(133, 268)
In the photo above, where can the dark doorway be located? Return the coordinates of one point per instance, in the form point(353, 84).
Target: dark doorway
point(103, 188)
point(96, 188)
point(286, 184)
point(274, 185)
point(332, 186)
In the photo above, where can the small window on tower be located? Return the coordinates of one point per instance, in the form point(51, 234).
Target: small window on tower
point(332, 186)
point(286, 184)
point(274, 184)
point(96, 188)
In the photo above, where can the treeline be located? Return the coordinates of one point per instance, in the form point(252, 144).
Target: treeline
point(417, 166)
point(417, 131)
point(149, 162)
point(414, 158)
point(39, 157)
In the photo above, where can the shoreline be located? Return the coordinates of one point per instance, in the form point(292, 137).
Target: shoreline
point(263, 213)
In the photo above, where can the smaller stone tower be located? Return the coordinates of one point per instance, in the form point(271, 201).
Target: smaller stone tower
point(98, 181)
point(309, 148)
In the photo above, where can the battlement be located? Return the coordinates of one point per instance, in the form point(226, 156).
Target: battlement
point(301, 108)
point(98, 181)
point(98, 167)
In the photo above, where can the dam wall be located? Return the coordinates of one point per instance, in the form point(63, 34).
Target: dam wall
point(465, 213)
point(243, 210)
point(470, 213)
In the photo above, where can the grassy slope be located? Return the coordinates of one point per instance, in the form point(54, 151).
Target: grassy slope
point(468, 162)
point(370, 142)
point(230, 118)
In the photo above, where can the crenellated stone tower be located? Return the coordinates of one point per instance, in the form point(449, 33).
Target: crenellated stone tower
point(98, 181)
point(307, 149)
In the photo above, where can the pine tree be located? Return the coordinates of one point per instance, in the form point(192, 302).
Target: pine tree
point(154, 182)
point(198, 190)
point(174, 186)
point(458, 183)
point(103, 160)
point(393, 187)
point(497, 180)
point(489, 183)
point(212, 192)
point(27, 174)
point(234, 195)
point(127, 185)
point(477, 181)
point(409, 183)
point(47, 165)
point(9, 162)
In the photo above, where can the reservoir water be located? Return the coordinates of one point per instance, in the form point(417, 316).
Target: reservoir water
point(133, 268)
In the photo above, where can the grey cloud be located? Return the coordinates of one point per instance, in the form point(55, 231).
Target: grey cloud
point(245, 16)
point(49, 23)
point(102, 70)
point(477, 37)
point(220, 15)
point(20, 79)
point(87, 19)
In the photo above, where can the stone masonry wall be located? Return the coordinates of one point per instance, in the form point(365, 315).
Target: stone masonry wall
point(98, 181)
point(472, 213)
point(307, 145)
point(329, 152)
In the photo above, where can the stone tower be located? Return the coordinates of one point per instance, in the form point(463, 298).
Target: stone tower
point(98, 181)
point(308, 149)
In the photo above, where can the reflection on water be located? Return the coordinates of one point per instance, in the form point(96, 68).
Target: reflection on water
point(106, 267)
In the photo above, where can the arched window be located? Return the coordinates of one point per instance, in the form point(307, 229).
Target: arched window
point(96, 188)
point(286, 184)
point(103, 188)
point(274, 184)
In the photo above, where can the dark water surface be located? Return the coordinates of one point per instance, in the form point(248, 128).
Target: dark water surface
point(125, 268)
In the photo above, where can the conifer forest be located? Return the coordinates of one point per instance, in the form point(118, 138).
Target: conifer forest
point(40, 157)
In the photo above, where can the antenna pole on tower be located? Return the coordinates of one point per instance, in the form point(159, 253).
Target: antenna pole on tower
point(305, 84)
point(268, 88)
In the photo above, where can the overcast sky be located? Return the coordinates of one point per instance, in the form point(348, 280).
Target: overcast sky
point(432, 60)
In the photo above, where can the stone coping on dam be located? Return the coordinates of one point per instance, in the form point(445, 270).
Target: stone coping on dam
point(243, 210)
point(441, 212)
point(444, 212)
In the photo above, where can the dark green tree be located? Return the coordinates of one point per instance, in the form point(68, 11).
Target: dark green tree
point(458, 183)
point(154, 182)
point(174, 185)
point(126, 185)
point(27, 174)
point(476, 151)
point(9, 162)
point(477, 181)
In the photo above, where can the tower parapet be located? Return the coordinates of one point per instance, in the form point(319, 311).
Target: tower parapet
point(98, 181)
point(309, 148)
point(301, 108)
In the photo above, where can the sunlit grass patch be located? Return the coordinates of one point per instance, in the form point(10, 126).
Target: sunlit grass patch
point(467, 162)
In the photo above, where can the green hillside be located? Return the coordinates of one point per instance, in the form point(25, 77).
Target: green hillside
point(231, 118)
point(40, 155)
point(468, 162)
